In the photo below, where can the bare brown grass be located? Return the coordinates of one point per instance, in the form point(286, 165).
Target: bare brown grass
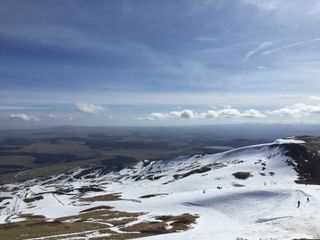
point(99, 220)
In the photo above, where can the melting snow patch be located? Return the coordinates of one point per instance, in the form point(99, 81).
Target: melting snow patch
point(287, 141)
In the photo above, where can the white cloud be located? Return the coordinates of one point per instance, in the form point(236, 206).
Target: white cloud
point(317, 98)
point(261, 46)
point(184, 114)
point(252, 114)
point(229, 113)
point(210, 114)
point(262, 67)
point(23, 117)
point(89, 108)
point(187, 114)
point(157, 115)
point(297, 110)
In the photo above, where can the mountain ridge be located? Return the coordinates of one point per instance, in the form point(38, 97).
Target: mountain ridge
point(253, 188)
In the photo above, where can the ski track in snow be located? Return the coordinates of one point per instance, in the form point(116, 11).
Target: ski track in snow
point(265, 207)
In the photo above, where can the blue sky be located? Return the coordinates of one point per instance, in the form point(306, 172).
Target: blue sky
point(159, 62)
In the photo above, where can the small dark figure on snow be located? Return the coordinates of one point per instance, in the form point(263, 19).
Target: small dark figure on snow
point(298, 204)
point(204, 191)
point(308, 200)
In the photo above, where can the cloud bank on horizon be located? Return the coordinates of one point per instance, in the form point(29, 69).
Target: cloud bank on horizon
point(174, 62)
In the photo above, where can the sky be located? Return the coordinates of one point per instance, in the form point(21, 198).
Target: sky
point(159, 63)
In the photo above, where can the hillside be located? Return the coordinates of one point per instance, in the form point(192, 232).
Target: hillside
point(246, 193)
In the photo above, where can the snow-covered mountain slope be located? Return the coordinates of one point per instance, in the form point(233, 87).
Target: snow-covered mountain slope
point(246, 193)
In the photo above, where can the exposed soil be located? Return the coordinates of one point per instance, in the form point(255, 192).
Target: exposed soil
point(242, 175)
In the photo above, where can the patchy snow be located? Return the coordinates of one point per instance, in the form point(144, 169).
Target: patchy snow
point(286, 141)
point(263, 206)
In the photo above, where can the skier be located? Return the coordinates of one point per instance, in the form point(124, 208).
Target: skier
point(308, 200)
point(298, 204)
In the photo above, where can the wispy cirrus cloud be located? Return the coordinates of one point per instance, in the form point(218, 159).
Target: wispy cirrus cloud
point(12, 107)
point(24, 117)
point(291, 45)
point(267, 5)
point(287, 9)
point(261, 47)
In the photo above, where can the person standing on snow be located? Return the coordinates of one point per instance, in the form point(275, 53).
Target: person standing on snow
point(298, 204)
